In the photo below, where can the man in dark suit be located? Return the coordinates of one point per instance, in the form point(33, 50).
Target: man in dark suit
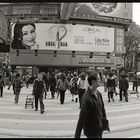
point(92, 110)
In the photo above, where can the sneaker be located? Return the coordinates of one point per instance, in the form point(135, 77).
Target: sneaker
point(36, 109)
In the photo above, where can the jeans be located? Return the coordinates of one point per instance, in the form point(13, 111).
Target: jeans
point(81, 93)
point(1, 91)
point(125, 95)
point(17, 92)
point(40, 99)
point(62, 96)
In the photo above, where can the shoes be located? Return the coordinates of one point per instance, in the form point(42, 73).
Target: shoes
point(108, 100)
point(76, 100)
point(42, 112)
point(36, 109)
point(72, 100)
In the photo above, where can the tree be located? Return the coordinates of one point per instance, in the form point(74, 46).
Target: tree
point(132, 41)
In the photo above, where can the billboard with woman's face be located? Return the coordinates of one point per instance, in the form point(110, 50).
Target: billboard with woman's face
point(47, 36)
point(24, 36)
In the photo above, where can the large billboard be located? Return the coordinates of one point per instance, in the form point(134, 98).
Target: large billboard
point(117, 12)
point(50, 36)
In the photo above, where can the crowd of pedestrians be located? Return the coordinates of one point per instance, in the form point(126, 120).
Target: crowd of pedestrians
point(83, 88)
point(76, 83)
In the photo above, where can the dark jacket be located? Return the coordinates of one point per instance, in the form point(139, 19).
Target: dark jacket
point(38, 87)
point(111, 82)
point(91, 114)
point(123, 84)
point(52, 82)
point(17, 81)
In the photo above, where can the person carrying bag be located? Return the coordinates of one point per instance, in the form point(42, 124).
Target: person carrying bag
point(62, 86)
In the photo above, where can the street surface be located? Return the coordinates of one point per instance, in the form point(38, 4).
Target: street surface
point(60, 120)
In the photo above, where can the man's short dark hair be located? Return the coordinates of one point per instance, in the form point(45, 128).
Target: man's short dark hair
point(92, 76)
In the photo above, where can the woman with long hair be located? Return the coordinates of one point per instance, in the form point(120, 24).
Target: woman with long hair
point(24, 36)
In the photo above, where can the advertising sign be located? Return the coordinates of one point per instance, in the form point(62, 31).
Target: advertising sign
point(120, 41)
point(3, 27)
point(104, 11)
point(95, 60)
point(47, 36)
point(93, 38)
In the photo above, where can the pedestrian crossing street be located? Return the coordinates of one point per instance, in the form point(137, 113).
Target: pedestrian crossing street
point(59, 121)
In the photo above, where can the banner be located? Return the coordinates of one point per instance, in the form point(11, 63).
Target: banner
point(93, 38)
point(47, 36)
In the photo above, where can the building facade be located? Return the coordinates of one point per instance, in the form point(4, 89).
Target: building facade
point(71, 35)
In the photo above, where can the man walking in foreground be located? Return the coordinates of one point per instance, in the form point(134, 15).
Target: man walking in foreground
point(92, 110)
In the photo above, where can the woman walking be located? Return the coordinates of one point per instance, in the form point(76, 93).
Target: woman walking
point(111, 86)
point(81, 83)
point(1, 85)
point(73, 87)
point(18, 84)
point(62, 86)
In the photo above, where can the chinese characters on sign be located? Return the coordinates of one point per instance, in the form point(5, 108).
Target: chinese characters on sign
point(120, 41)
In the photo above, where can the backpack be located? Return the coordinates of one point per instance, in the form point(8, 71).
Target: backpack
point(62, 85)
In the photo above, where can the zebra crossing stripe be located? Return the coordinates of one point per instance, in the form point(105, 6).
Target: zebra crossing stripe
point(37, 133)
point(135, 136)
point(37, 114)
point(56, 133)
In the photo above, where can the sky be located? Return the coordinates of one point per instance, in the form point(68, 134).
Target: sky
point(136, 13)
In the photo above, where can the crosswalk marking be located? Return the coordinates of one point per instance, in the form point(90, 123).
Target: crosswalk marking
point(60, 120)
point(135, 136)
point(35, 133)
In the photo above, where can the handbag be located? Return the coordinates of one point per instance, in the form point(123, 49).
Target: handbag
point(21, 85)
point(105, 123)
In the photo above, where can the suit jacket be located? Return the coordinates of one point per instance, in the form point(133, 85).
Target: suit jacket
point(91, 114)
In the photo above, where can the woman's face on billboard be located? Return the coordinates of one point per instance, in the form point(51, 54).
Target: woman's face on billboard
point(28, 35)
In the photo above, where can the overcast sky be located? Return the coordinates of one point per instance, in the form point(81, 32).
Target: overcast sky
point(136, 12)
